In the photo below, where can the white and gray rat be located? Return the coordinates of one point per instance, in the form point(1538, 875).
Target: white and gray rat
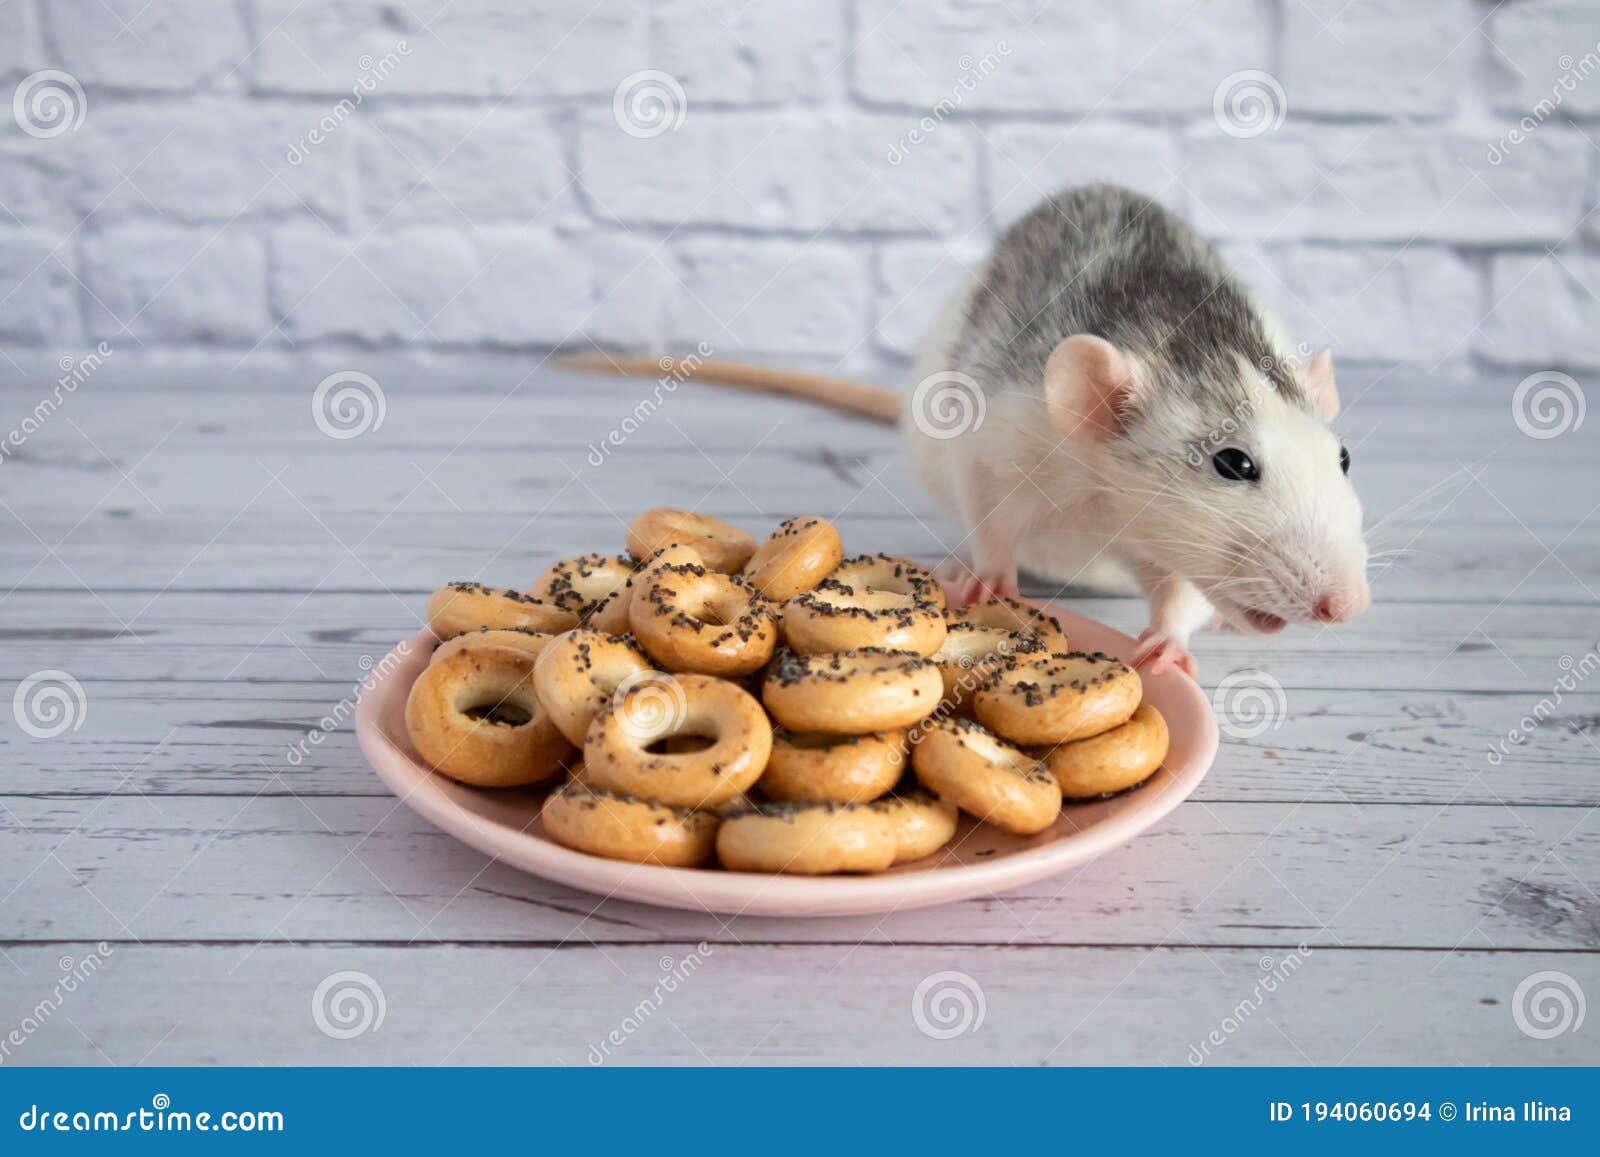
point(1106, 400)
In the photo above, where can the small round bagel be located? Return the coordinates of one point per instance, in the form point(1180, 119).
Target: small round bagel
point(514, 638)
point(812, 765)
point(1016, 617)
point(799, 555)
point(722, 547)
point(971, 654)
point(617, 753)
point(587, 585)
point(923, 823)
point(620, 827)
point(579, 672)
point(461, 607)
point(986, 777)
point(807, 839)
point(474, 716)
point(885, 572)
point(1058, 697)
point(851, 692)
point(835, 617)
point(690, 618)
point(1113, 760)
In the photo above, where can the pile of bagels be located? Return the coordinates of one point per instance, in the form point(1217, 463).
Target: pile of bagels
point(772, 707)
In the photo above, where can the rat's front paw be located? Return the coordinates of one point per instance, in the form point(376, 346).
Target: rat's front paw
point(1159, 652)
point(967, 586)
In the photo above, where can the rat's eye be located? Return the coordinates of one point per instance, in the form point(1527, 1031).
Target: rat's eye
point(1344, 459)
point(1235, 465)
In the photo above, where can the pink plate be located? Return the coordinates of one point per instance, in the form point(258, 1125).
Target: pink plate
point(981, 860)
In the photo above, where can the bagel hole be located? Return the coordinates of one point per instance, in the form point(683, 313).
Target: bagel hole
point(500, 714)
point(685, 744)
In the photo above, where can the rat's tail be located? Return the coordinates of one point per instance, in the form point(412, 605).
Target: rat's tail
point(854, 397)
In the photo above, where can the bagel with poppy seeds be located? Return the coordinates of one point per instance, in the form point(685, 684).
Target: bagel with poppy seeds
point(591, 586)
point(513, 638)
point(849, 768)
point(720, 546)
point(618, 751)
point(809, 839)
point(474, 716)
point(579, 672)
point(691, 618)
point(851, 692)
point(1058, 697)
point(468, 606)
point(986, 777)
point(622, 827)
point(799, 555)
point(1112, 761)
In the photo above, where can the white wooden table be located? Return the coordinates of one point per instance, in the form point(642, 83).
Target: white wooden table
point(216, 574)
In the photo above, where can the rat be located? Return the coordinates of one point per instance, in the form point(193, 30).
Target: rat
point(1105, 401)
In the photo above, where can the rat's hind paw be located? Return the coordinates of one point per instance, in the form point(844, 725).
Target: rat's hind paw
point(1159, 652)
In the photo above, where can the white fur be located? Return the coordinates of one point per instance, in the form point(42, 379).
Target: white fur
point(1082, 514)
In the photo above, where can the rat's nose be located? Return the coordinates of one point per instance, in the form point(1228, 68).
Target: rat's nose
point(1338, 606)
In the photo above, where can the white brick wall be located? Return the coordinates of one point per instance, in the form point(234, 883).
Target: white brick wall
point(441, 177)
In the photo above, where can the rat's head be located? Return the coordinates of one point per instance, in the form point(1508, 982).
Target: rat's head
point(1235, 483)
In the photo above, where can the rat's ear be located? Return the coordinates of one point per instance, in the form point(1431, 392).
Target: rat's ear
point(1088, 383)
point(1319, 384)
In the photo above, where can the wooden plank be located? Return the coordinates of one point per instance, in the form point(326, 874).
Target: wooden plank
point(1438, 647)
point(1215, 874)
point(122, 547)
point(556, 410)
point(745, 481)
point(239, 738)
point(837, 1004)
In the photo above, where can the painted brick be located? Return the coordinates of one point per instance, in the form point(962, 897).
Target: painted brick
point(1545, 312)
point(790, 170)
point(1386, 182)
point(1548, 54)
point(771, 297)
point(1378, 57)
point(914, 280)
point(732, 51)
point(463, 167)
point(1027, 163)
point(36, 288)
point(206, 161)
point(132, 44)
point(166, 285)
point(460, 48)
point(1025, 55)
point(493, 288)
